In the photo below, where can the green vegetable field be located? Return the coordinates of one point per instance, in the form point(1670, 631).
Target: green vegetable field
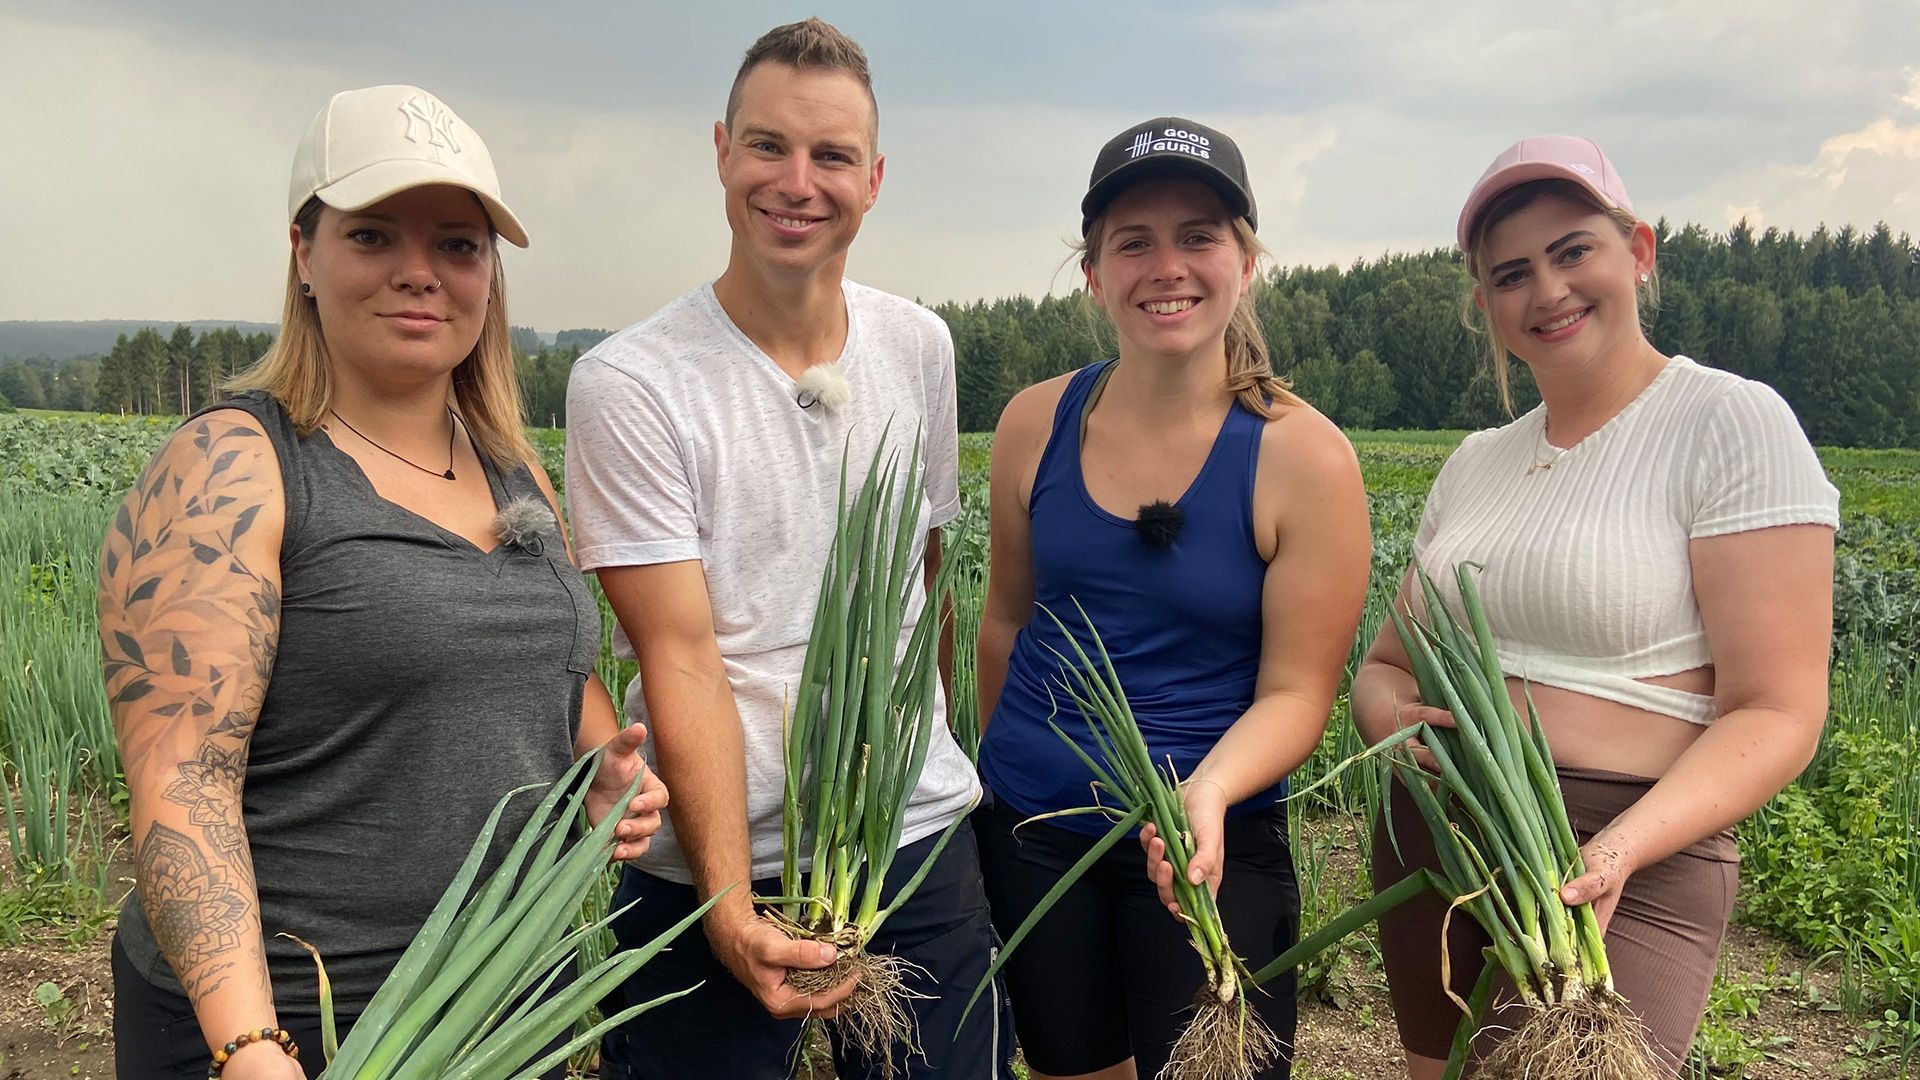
point(1830, 873)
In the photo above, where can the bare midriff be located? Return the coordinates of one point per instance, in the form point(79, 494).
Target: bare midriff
point(1593, 733)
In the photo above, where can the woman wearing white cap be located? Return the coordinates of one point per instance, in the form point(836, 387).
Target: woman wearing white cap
point(1214, 528)
point(1657, 543)
point(338, 617)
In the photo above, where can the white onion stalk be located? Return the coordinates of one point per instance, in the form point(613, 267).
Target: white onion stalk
point(858, 734)
point(469, 998)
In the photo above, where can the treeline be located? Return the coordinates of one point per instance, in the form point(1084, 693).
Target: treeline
point(144, 372)
point(1831, 320)
point(175, 374)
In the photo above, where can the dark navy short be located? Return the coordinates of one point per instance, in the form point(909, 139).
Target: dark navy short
point(1108, 974)
point(722, 1030)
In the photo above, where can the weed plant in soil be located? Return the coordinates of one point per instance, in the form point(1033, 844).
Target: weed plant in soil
point(60, 783)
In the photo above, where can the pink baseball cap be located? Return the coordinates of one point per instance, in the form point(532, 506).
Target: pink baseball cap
point(1545, 157)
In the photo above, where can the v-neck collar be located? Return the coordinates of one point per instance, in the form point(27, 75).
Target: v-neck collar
point(496, 486)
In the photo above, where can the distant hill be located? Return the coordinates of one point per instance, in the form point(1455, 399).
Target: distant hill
point(61, 340)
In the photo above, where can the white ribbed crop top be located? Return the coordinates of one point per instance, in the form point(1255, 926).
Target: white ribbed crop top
point(1587, 581)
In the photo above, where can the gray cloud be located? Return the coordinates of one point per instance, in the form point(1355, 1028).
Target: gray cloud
point(148, 145)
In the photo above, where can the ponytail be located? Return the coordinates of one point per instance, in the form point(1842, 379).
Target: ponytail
point(1250, 375)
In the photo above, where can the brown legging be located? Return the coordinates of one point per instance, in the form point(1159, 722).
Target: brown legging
point(1662, 942)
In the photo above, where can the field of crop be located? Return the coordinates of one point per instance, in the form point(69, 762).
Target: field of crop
point(1823, 976)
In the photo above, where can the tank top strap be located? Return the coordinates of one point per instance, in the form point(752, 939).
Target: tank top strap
point(515, 482)
point(289, 446)
point(1063, 443)
point(1244, 429)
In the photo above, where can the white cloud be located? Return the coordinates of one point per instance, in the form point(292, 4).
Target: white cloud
point(1857, 177)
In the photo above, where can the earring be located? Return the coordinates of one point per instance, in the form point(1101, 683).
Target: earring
point(1644, 277)
point(307, 290)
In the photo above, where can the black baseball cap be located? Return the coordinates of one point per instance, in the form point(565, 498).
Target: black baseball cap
point(1168, 146)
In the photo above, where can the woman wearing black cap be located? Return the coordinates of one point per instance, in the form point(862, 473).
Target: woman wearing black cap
point(1214, 527)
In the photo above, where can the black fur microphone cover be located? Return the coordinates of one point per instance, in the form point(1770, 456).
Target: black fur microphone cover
point(1159, 524)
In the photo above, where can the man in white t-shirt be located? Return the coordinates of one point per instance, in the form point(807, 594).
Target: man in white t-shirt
point(703, 472)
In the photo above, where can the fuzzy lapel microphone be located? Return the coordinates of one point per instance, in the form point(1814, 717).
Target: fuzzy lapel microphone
point(525, 523)
point(1158, 524)
point(823, 384)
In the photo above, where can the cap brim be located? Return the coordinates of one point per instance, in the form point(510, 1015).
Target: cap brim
point(1132, 172)
point(364, 187)
point(1520, 172)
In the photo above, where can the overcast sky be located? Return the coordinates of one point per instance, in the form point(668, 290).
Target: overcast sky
point(144, 148)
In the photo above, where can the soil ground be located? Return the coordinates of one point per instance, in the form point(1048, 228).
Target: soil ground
point(1792, 1022)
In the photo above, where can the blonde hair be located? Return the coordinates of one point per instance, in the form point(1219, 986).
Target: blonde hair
point(1505, 205)
point(1250, 375)
point(297, 371)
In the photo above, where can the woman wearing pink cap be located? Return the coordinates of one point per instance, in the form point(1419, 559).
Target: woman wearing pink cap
point(339, 620)
point(1657, 538)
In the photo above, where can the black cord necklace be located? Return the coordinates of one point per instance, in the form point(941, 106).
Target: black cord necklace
point(453, 429)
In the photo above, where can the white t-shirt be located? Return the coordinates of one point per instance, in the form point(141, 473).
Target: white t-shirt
point(1587, 579)
point(685, 441)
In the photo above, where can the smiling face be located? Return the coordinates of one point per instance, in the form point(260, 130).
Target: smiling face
point(401, 287)
point(1166, 267)
point(799, 168)
point(1560, 288)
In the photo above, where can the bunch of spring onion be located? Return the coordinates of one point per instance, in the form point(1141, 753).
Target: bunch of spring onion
point(858, 734)
point(1505, 849)
point(1225, 1039)
point(469, 999)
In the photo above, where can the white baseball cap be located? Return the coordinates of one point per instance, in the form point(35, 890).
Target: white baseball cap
point(369, 144)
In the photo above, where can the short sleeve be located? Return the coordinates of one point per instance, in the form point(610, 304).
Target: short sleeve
point(1756, 468)
point(1435, 507)
point(630, 489)
point(943, 428)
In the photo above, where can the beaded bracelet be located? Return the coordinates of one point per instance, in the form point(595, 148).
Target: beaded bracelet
point(265, 1034)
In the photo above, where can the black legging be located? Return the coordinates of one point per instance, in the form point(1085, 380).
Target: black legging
point(157, 1037)
point(1109, 974)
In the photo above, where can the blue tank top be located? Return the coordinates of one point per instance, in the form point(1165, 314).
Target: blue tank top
point(1182, 623)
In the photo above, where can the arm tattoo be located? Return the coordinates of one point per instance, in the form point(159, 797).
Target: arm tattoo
point(189, 625)
point(194, 909)
point(206, 788)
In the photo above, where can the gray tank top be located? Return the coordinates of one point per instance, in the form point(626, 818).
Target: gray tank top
point(418, 680)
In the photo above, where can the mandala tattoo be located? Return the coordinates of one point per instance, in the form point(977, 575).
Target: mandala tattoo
point(195, 913)
point(207, 788)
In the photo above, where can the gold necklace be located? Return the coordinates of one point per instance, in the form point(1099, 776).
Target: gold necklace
point(1555, 453)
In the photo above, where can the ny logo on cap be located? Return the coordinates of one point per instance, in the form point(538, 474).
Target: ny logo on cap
point(432, 119)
